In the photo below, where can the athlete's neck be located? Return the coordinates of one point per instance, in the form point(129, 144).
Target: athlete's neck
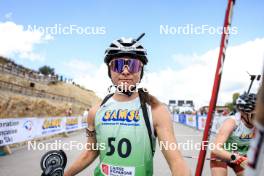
point(247, 124)
point(122, 97)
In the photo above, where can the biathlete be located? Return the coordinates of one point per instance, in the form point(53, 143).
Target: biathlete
point(233, 138)
point(128, 121)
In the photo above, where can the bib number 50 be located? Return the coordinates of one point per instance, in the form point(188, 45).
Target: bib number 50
point(123, 141)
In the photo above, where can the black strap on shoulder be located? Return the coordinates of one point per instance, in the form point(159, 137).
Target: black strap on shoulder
point(146, 118)
point(106, 98)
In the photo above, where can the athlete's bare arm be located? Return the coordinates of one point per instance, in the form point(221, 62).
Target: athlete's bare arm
point(260, 104)
point(87, 156)
point(224, 132)
point(163, 126)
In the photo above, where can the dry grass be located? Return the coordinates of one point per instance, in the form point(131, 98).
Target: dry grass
point(17, 105)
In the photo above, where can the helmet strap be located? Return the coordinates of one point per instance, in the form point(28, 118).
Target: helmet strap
point(109, 73)
point(127, 92)
point(246, 120)
point(142, 73)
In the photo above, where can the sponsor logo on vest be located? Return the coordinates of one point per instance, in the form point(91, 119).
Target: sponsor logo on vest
point(121, 115)
point(111, 170)
point(105, 169)
point(246, 136)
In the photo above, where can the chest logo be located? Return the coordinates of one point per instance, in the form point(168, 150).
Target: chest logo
point(121, 115)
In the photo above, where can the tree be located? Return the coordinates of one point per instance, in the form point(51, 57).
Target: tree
point(46, 70)
point(231, 105)
point(235, 97)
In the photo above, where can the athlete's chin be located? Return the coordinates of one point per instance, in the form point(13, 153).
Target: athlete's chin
point(126, 85)
point(126, 82)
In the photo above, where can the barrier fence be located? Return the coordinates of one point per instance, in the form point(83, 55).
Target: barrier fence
point(30, 75)
point(198, 121)
point(15, 130)
point(34, 76)
point(36, 93)
point(27, 74)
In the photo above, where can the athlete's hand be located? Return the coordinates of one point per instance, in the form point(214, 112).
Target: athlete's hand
point(241, 160)
point(244, 162)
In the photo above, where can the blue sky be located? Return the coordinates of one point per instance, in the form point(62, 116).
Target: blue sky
point(129, 19)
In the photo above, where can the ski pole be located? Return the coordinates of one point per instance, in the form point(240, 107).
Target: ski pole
point(252, 78)
point(217, 81)
point(210, 159)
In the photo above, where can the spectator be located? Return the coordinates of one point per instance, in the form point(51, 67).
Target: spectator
point(225, 112)
point(85, 113)
point(69, 112)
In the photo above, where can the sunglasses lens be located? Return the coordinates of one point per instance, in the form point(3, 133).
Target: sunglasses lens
point(133, 65)
point(117, 65)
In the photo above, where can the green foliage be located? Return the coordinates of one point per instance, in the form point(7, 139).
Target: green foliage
point(234, 97)
point(46, 70)
point(231, 105)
